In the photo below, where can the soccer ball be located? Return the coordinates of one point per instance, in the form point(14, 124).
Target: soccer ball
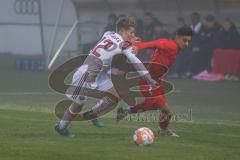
point(143, 136)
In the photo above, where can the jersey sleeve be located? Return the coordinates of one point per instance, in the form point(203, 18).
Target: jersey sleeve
point(169, 47)
point(132, 58)
point(148, 45)
point(138, 65)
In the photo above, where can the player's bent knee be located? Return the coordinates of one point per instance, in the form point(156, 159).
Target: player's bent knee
point(80, 100)
point(75, 108)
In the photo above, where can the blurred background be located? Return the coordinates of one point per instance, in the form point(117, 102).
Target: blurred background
point(205, 78)
point(31, 31)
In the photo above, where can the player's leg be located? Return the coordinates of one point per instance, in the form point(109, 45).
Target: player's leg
point(69, 115)
point(86, 76)
point(73, 93)
point(164, 121)
point(107, 103)
point(158, 103)
point(146, 105)
point(103, 106)
point(149, 103)
point(165, 117)
point(155, 103)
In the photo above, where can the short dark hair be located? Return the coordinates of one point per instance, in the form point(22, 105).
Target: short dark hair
point(112, 16)
point(197, 15)
point(185, 31)
point(229, 20)
point(149, 14)
point(181, 19)
point(158, 24)
point(210, 18)
point(125, 23)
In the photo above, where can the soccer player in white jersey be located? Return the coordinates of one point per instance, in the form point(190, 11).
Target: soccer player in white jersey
point(94, 72)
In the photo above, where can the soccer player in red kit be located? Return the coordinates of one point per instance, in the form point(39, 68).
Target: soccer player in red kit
point(165, 53)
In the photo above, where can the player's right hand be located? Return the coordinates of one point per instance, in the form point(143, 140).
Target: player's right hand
point(135, 39)
point(152, 82)
point(135, 49)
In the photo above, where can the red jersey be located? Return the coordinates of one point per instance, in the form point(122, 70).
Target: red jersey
point(165, 52)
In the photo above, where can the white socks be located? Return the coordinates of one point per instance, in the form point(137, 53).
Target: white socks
point(67, 118)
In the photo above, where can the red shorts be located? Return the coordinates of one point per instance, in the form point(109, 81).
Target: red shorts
point(152, 102)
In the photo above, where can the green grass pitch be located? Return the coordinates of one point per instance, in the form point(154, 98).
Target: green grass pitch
point(27, 119)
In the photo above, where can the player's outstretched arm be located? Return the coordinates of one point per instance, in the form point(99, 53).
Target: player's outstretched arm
point(169, 47)
point(148, 45)
point(139, 66)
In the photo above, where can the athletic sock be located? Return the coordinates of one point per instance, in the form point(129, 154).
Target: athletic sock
point(164, 120)
point(67, 118)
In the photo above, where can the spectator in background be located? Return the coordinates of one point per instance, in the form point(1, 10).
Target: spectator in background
point(194, 51)
point(187, 64)
point(148, 25)
point(196, 23)
point(180, 22)
point(147, 34)
point(209, 40)
point(111, 26)
point(230, 38)
point(159, 31)
point(121, 16)
point(181, 68)
point(197, 27)
point(139, 25)
point(112, 18)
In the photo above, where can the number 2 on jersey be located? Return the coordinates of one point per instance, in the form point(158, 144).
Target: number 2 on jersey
point(104, 43)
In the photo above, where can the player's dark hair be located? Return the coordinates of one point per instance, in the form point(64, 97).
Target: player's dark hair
point(185, 31)
point(125, 23)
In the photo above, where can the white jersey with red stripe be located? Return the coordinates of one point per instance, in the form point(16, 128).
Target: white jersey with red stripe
point(97, 64)
point(111, 44)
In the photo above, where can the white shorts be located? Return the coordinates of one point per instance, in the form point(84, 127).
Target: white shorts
point(102, 83)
